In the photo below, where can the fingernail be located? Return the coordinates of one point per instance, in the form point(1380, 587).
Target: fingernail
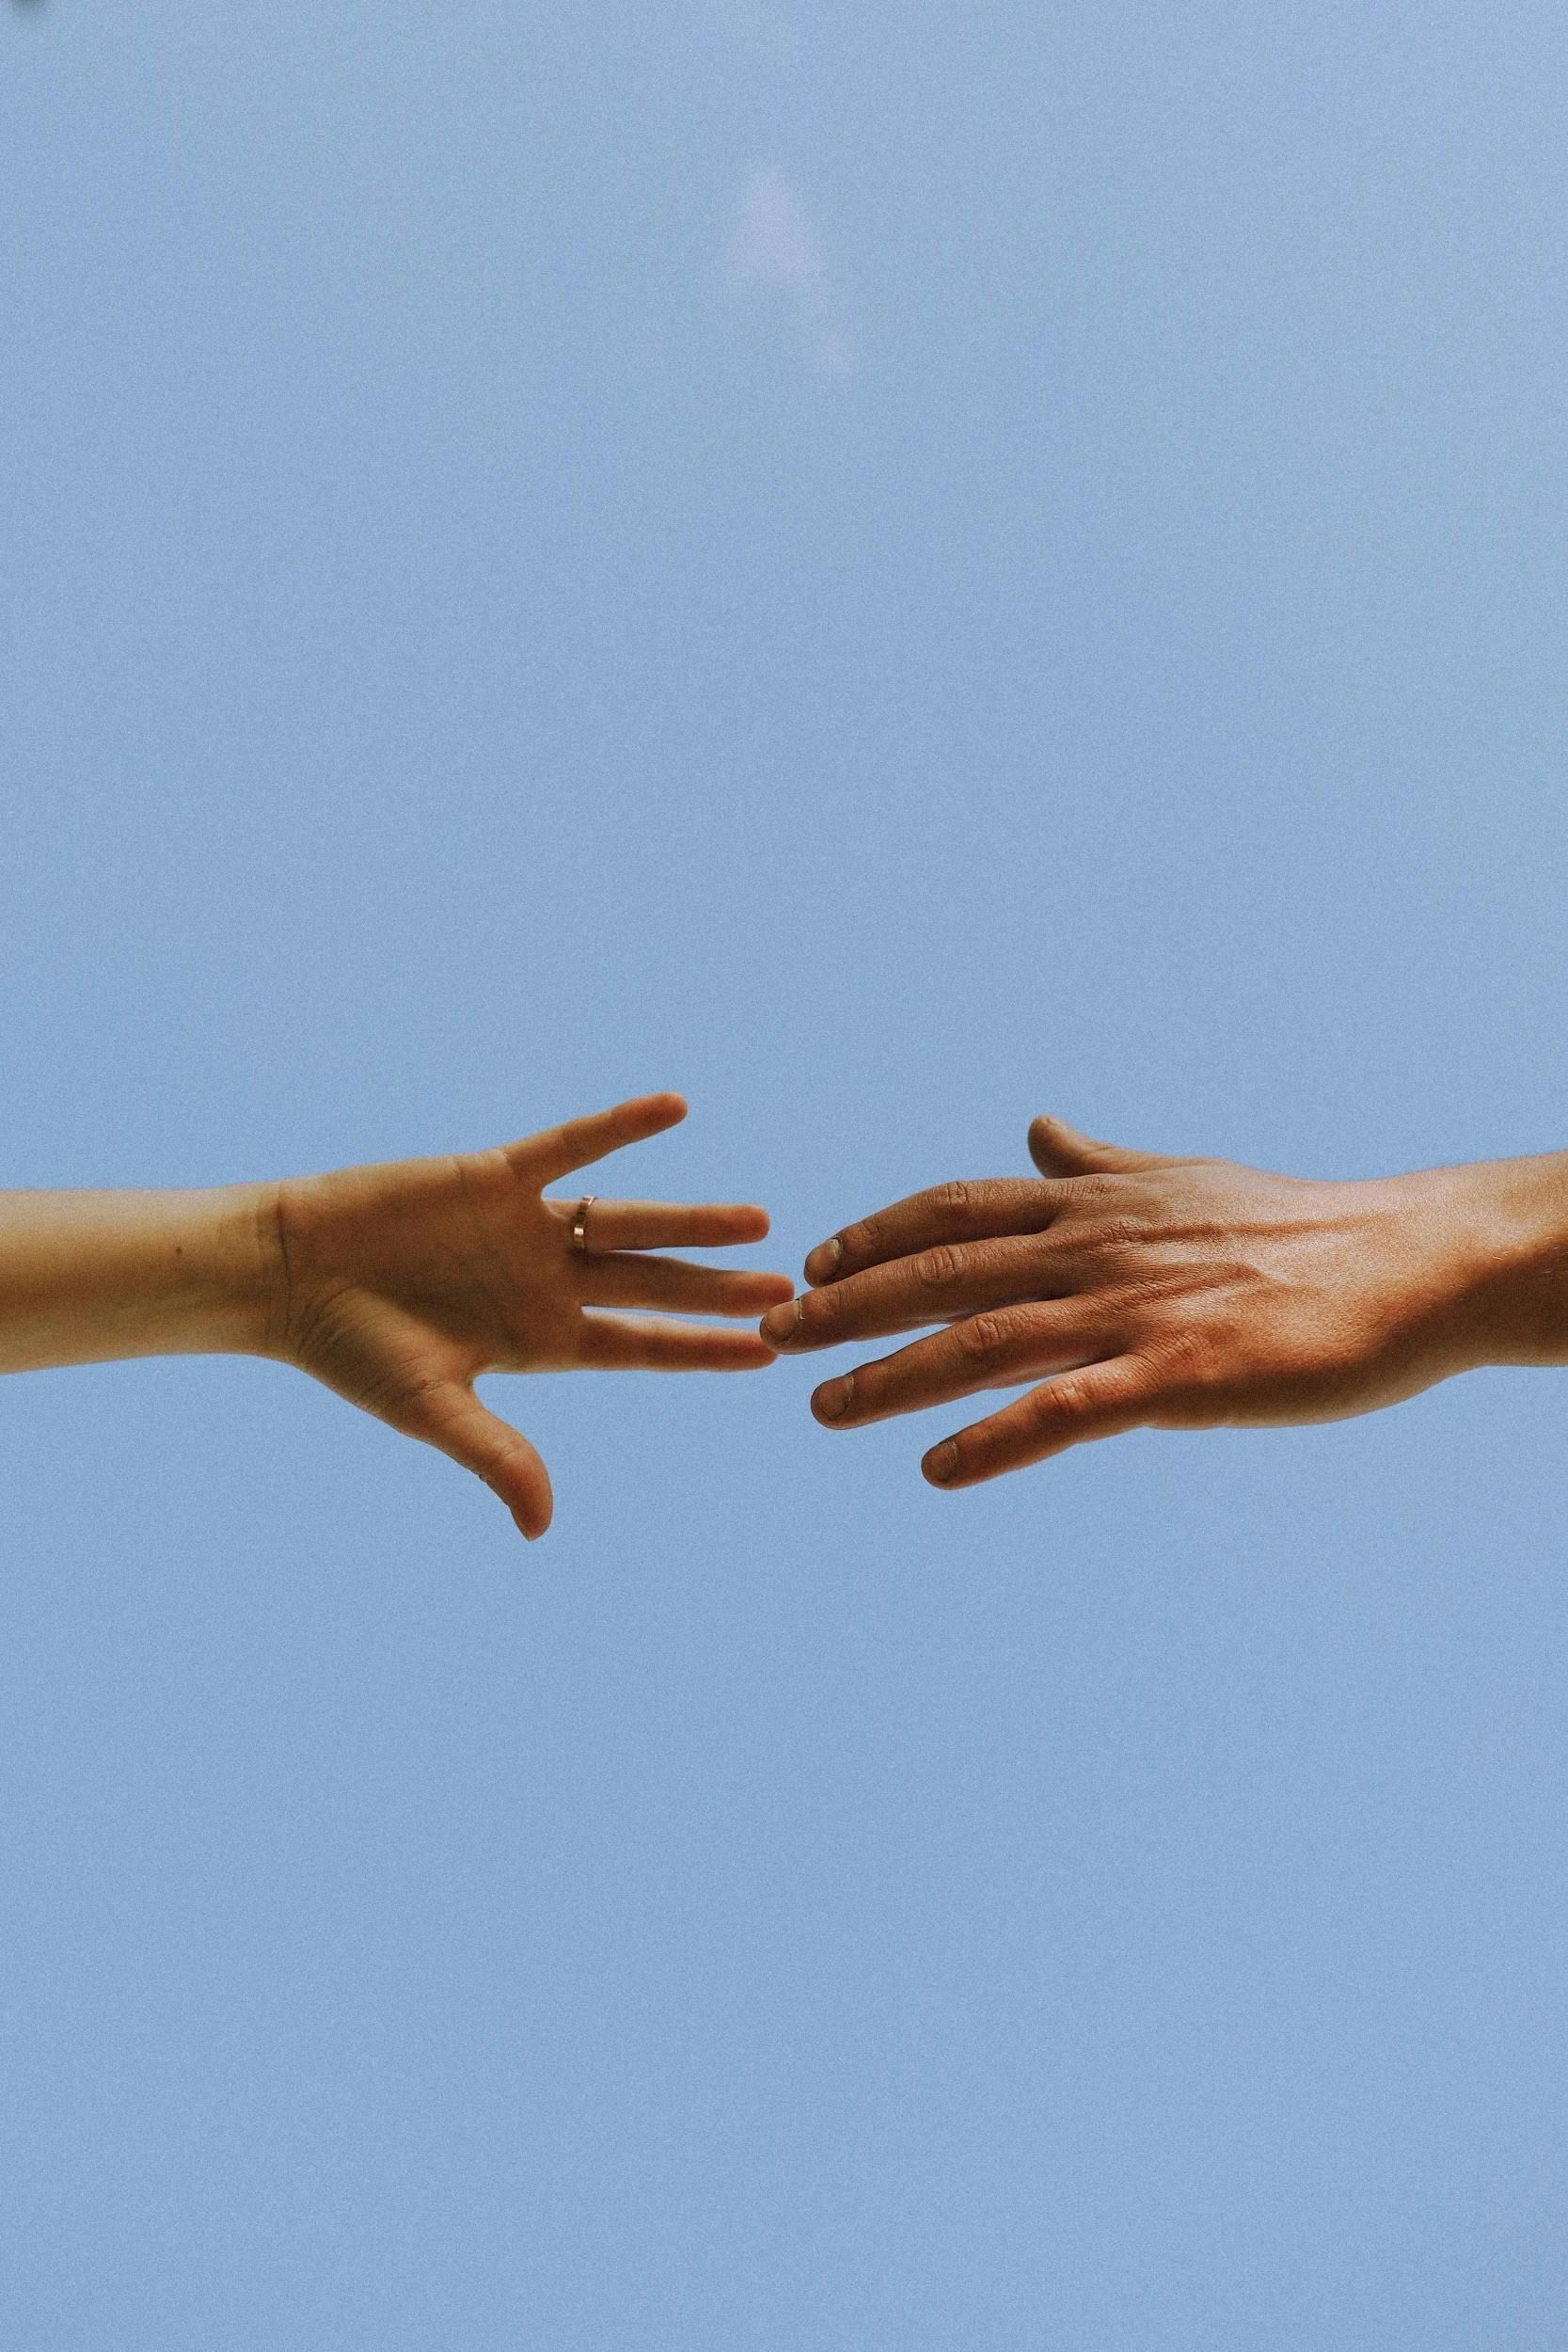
point(780, 1324)
point(942, 1463)
point(823, 1263)
point(831, 1400)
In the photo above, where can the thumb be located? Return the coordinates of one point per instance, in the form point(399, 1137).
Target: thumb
point(452, 1418)
point(1059, 1150)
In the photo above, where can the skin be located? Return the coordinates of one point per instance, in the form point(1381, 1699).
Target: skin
point(1133, 1290)
point(396, 1285)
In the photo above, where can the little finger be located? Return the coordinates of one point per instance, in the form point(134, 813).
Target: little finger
point(1099, 1400)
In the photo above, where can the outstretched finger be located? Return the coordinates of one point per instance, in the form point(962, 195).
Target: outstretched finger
point(948, 1213)
point(632, 1279)
point(665, 1224)
point(546, 1158)
point(652, 1344)
point(935, 1285)
point(452, 1418)
point(1103, 1400)
point(997, 1350)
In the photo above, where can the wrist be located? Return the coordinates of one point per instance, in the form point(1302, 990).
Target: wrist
point(1507, 1244)
point(242, 1304)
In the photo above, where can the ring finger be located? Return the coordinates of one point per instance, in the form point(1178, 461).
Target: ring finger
point(987, 1351)
point(663, 1224)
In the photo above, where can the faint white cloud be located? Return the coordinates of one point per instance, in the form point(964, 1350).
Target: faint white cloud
point(773, 245)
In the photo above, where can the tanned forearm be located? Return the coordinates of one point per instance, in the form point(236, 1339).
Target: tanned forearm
point(1518, 1211)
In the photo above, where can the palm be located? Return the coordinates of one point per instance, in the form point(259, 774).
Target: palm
point(405, 1281)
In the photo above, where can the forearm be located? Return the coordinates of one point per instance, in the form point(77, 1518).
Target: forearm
point(86, 1277)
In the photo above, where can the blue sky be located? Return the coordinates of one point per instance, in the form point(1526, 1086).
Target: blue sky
point(890, 570)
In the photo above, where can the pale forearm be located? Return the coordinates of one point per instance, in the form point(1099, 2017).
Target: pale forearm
point(86, 1277)
point(399, 1284)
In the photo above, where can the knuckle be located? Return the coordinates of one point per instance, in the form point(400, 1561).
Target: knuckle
point(1183, 1354)
point(861, 1240)
point(1037, 1413)
point(982, 1338)
point(1065, 1403)
point(1073, 1400)
point(1097, 1203)
point(818, 1309)
point(1114, 1230)
point(936, 1269)
point(955, 1198)
point(1111, 1254)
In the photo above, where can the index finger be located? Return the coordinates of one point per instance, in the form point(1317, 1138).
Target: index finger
point(955, 1212)
point(547, 1157)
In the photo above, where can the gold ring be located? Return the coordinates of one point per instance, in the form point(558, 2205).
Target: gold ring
point(579, 1224)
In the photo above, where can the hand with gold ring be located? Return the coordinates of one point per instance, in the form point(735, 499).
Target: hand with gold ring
point(398, 1285)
